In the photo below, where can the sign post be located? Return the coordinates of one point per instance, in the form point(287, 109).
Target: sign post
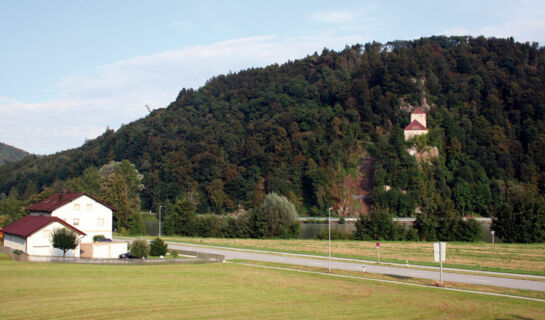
point(439, 255)
point(493, 233)
point(378, 252)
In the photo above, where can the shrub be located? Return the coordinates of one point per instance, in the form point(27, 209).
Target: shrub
point(174, 254)
point(378, 226)
point(98, 237)
point(335, 235)
point(158, 247)
point(140, 248)
point(412, 235)
point(17, 252)
point(469, 230)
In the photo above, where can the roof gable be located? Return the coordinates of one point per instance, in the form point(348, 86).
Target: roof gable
point(28, 225)
point(415, 125)
point(60, 199)
point(418, 111)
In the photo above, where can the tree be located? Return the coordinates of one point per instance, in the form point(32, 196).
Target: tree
point(180, 219)
point(522, 220)
point(120, 188)
point(277, 217)
point(216, 195)
point(11, 209)
point(64, 239)
point(158, 247)
point(378, 225)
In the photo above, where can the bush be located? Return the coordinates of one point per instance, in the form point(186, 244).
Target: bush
point(174, 254)
point(17, 252)
point(411, 235)
point(378, 226)
point(158, 247)
point(98, 237)
point(469, 230)
point(335, 235)
point(140, 248)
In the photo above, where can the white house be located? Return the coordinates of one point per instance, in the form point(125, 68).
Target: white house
point(81, 212)
point(32, 235)
point(418, 125)
point(79, 209)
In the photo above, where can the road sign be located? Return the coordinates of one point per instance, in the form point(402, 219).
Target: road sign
point(439, 255)
point(437, 249)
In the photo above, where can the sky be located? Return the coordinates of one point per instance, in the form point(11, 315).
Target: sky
point(71, 69)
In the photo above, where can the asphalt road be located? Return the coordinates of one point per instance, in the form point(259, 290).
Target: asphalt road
point(400, 273)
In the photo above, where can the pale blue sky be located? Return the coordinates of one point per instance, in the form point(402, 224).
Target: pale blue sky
point(69, 69)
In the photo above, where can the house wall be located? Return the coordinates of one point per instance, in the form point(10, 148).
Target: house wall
point(88, 211)
point(14, 242)
point(39, 243)
point(420, 117)
point(409, 134)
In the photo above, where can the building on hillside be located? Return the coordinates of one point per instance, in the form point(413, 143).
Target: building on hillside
point(418, 125)
point(79, 209)
point(32, 235)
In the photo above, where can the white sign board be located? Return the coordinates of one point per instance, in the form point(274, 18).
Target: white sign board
point(436, 251)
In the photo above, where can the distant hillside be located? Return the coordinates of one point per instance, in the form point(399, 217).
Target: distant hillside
point(299, 129)
point(11, 154)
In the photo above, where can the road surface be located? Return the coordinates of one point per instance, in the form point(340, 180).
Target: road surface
point(401, 273)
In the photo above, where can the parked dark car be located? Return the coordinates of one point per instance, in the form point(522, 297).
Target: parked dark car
point(127, 255)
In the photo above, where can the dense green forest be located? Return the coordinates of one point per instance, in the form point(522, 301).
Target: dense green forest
point(297, 129)
point(11, 154)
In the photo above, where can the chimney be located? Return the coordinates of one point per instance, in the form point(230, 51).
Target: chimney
point(59, 197)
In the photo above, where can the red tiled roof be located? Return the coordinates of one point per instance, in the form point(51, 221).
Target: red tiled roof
point(415, 125)
point(418, 111)
point(58, 200)
point(26, 226)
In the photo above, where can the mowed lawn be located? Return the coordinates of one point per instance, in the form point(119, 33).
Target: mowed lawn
point(524, 258)
point(229, 291)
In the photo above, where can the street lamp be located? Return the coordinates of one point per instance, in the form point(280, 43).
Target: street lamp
point(160, 207)
point(329, 231)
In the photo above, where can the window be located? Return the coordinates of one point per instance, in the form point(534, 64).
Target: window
point(89, 207)
point(76, 221)
point(76, 206)
point(100, 222)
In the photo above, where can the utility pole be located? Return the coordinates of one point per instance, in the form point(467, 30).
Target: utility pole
point(160, 207)
point(329, 231)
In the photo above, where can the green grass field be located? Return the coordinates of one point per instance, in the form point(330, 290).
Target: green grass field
point(502, 257)
point(229, 291)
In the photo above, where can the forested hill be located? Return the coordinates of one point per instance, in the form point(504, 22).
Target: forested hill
point(301, 127)
point(9, 153)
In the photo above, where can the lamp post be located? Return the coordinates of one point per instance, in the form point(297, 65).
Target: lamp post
point(329, 231)
point(160, 207)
